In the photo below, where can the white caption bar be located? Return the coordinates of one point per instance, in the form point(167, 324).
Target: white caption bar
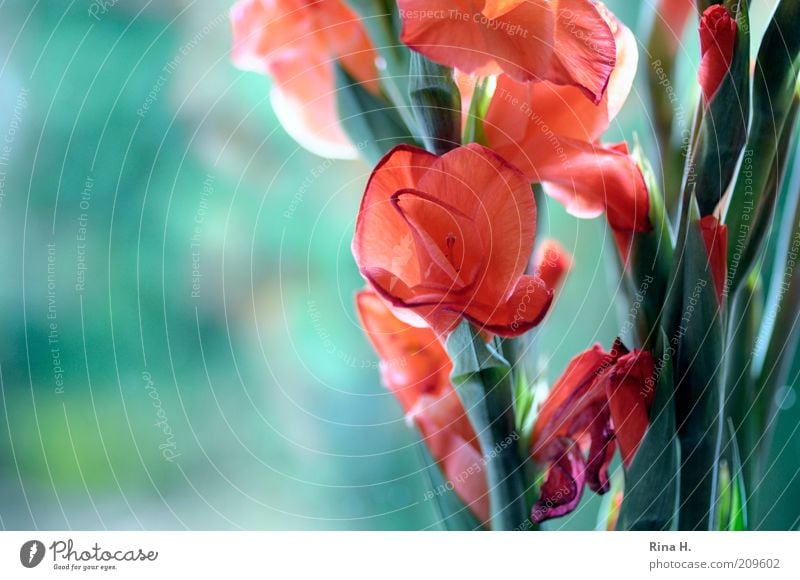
point(356, 555)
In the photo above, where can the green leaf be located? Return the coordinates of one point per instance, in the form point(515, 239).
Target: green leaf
point(752, 203)
point(382, 21)
point(481, 99)
point(746, 318)
point(738, 520)
point(698, 373)
point(436, 103)
point(661, 50)
point(781, 332)
point(651, 481)
point(482, 379)
point(650, 261)
point(378, 17)
point(371, 122)
point(732, 509)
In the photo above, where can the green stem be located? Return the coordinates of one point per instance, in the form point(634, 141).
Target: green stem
point(490, 410)
point(745, 318)
point(482, 379)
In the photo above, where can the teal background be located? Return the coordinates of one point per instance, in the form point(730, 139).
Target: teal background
point(135, 149)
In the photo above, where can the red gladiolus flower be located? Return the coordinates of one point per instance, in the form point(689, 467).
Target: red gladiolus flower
point(715, 236)
point(600, 402)
point(552, 263)
point(416, 369)
point(675, 14)
point(567, 42)
point(439, 238)
point(717, 41)
point(296, 43)
point(552, 134)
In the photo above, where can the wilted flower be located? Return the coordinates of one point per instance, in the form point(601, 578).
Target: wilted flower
point(601, 402)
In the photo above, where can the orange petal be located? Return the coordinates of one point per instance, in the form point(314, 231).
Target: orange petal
point(449, 235)
point(584, 53)
point(532, 116)
point(416, 368)
point(499, 200)
point(621, 81)
point(552, 262)
point(495, 8)
point(296, 43)
point(413, 361)
point(524, 309)
point(630, 389)
point(590, 179)
point(498, 37)
point(521, 39)
point(447, 249)
point(305, 103)
point(382, 240)
point(452, 443)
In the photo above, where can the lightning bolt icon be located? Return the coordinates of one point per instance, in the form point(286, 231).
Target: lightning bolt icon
point(34, 550)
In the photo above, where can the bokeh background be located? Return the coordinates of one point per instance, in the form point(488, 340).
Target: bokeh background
point(178, 347)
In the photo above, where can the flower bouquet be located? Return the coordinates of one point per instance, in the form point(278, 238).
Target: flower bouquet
point(471, 114)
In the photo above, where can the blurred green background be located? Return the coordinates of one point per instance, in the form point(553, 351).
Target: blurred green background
point(178, 347)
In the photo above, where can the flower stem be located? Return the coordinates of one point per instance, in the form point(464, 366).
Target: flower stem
point(483, 381)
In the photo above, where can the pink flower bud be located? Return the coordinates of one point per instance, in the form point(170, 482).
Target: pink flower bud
point(717, 39)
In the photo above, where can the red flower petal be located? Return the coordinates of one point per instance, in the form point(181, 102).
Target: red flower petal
point(296, 43)
point(592, 179)
point(630, 389)
point(382, 239)
point(585, 52)
point(567, 42)
point(717, 41)
point(450, 236)
point(447, 250)
point(571, 391)
point(600, 402)
point(416, 368)
point(675, 14)
point(523, 310)
point(413, 361)
point(715, 236)
point(550, 132)
point(452, 443)
point(485, 38)
point(563, 485)
point(552, 263)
